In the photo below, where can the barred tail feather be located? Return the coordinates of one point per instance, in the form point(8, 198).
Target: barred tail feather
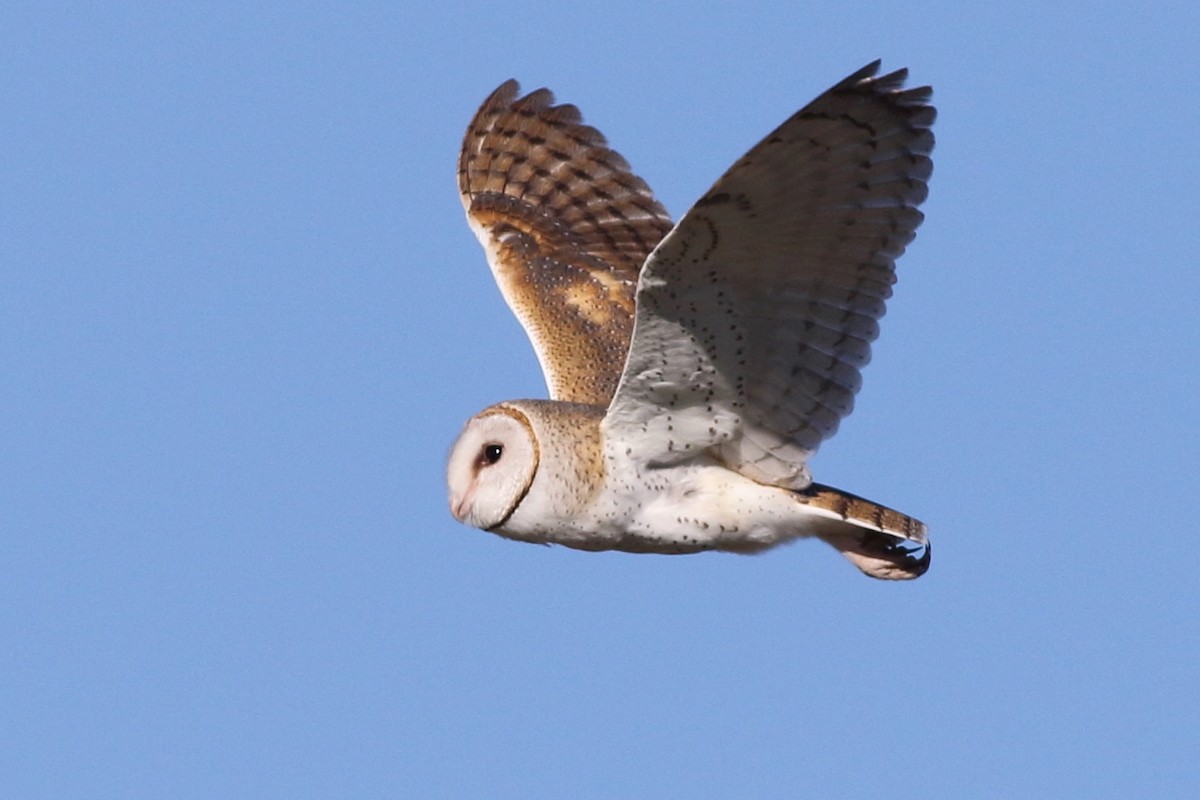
point(881, 542)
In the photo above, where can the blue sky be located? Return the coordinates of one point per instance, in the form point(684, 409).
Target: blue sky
point(242, 319)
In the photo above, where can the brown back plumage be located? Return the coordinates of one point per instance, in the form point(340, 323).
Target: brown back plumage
point(566, 226)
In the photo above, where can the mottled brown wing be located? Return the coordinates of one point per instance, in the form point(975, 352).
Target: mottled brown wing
point(567, 227)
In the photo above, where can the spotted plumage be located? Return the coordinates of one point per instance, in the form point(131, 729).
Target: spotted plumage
point(694, 369)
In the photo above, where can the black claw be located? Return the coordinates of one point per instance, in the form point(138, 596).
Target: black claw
point(912, 559)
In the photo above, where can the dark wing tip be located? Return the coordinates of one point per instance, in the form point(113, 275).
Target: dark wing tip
point(891, 83)
point(503, 95)
point(859, 75)
point(915, 100)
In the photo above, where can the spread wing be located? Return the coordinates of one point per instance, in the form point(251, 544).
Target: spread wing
point(566, 226)
point(756, 313)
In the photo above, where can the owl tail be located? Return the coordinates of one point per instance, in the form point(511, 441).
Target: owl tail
point(881, 542)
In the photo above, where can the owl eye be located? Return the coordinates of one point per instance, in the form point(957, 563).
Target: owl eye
point(492, 453)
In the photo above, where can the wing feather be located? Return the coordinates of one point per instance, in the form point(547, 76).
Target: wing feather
point(566, 226)
point(756, 313)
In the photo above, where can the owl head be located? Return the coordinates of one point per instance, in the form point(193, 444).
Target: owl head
point(491, 467)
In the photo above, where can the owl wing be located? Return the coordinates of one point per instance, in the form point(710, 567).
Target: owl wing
point(566, 226)
point(756, 313)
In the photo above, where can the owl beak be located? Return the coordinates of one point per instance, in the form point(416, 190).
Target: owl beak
point(459, 506)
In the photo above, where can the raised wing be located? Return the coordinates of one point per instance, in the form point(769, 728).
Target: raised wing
point(566, 226)
point(756, 313)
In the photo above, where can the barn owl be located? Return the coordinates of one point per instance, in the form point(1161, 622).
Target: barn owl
point(693, 368)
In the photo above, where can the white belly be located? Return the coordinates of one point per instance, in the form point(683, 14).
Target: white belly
point(691, 509)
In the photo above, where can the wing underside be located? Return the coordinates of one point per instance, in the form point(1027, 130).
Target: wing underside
point(756, 313)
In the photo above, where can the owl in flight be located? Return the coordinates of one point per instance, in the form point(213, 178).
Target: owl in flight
point(694, 368)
